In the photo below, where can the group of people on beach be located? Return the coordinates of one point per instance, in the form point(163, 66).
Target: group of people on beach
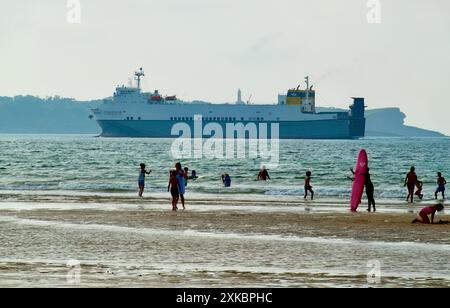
point(415, 186)
point(178, 179)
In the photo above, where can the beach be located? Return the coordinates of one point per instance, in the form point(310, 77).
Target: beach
point(70, 216)
point(129, 242)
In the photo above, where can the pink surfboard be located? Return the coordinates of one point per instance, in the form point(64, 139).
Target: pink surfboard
point(358, 182)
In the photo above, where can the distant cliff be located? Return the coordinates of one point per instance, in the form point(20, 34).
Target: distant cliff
point(390, 122)
point(53, 115)
point(56, 115)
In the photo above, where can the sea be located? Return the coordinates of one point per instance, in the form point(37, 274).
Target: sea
point(75, 164)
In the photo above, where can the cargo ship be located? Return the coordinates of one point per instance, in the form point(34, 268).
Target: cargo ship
point(134, 113)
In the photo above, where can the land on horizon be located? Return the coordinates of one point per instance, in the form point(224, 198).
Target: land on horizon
point(58, 115)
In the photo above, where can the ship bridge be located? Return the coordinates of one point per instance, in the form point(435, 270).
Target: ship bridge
point(305, 99)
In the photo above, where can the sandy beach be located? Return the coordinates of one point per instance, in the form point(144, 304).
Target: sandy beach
point(128, 242)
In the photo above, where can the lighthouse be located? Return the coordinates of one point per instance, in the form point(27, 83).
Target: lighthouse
point(239, 97)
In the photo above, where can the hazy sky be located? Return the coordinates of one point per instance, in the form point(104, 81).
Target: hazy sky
point(206, 49)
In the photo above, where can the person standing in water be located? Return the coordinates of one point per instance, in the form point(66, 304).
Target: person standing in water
point(181, 176)
point(263, 174)
point(141, 179)
point(370, 191)
point(186, 172)
point(308, 187)
point(193, 175)
point(173, 188)
point(410, 183)
point(226, 180)
point(441, 186)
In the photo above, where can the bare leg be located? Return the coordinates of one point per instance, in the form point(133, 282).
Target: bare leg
point(182, 201)
point(175, 201)
point(417, 219)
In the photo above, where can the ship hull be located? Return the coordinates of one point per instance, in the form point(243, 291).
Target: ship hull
point(320, 129)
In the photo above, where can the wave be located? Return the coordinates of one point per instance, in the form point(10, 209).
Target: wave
point(209, 189)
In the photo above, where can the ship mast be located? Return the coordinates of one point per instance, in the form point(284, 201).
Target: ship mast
point(138, 75)
point(307, 89)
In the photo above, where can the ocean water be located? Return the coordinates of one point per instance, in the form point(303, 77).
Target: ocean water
point(74, 164)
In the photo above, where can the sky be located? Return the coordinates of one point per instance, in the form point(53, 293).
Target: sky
point(207, 49)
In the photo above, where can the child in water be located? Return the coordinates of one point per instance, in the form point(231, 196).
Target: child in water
point(186, 172)
point(173, 188)
point(193, 175)
point(422, 217)
point(141, 179)
point(263, 174)
point(226, 180)
point(419, 188)
point(441, 185)
point(308, 187)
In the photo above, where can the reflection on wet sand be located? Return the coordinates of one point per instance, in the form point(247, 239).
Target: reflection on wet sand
point(245, 244)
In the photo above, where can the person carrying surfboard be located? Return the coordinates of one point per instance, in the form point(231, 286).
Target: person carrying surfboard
point(410, 182)
point(370, 191)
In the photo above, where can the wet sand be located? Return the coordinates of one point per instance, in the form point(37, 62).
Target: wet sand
point(148, 245)
point(359, 226)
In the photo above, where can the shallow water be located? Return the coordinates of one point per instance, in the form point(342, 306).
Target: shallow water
point(85, 163)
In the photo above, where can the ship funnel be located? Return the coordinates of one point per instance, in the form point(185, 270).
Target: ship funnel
point(357, 119)
point(357, 108)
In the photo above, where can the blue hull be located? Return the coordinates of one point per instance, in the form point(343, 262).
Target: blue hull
point(347, 128)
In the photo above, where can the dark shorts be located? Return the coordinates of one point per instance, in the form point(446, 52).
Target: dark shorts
point(141, 183)
point(174, 193)
point(411, 187)
point(308, 187)
point(441, 188)
point(425, 219)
